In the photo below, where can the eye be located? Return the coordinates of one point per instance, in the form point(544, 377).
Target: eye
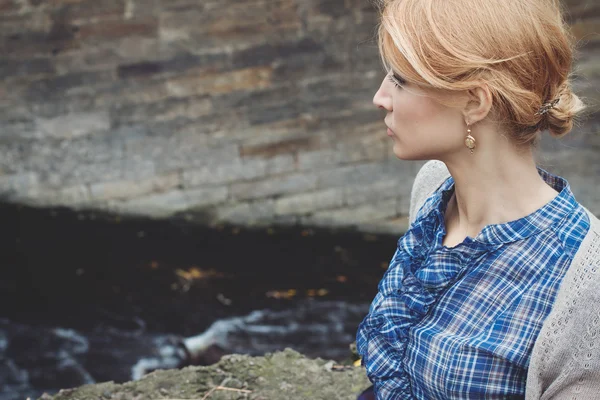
point(396, 80)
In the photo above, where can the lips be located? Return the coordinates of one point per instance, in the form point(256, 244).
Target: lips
point(390, 132)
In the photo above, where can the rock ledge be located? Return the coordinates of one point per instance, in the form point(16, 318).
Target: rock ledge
point(281, 375)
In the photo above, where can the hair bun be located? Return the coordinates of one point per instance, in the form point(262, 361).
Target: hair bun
point(558, 119)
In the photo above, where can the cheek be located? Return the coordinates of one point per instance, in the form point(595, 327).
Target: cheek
point(420, 113)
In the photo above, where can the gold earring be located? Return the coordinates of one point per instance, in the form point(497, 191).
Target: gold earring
point(469, 140)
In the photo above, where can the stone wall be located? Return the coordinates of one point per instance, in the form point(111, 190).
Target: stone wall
point(220, 110)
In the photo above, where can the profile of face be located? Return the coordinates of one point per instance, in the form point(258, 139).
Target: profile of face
point(420, 127)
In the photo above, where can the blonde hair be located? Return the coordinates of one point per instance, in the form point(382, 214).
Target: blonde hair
point(521, 49)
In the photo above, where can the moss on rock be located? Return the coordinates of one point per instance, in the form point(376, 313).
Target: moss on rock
point(281, 375)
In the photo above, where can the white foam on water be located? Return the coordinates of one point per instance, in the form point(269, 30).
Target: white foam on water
point(315, 325)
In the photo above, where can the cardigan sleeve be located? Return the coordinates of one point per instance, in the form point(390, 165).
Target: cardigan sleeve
point(565, 361)
point(429, 177)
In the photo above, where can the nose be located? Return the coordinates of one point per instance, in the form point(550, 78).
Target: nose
point(382, 99)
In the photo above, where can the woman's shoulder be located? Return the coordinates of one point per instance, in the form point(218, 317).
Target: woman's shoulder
point(594, 221)
point(429, 178)
point(566, 347)
point(572, 229)
point(586, 258)
point(589, 249)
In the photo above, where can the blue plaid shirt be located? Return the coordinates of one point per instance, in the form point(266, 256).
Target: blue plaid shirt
point(460, 322)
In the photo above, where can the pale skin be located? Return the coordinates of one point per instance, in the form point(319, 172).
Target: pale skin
point(496, 184)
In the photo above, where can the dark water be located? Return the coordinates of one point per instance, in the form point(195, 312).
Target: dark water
point(89, 298)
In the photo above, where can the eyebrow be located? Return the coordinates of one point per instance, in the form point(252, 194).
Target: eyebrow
point(395, 74)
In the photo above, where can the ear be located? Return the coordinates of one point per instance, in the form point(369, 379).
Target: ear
point(479, 103)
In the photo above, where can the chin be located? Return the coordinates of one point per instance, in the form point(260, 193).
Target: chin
point(401, 154)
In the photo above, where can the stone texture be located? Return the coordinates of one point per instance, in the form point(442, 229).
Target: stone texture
point(236, 171)
point(246, 213)
point(281, 147)
point(19, 129)
point(286, 374)
point(132, 189)
point(226, 111)
point(371, 148)
point(74, 196)
point(57, 88)
point(74, 125)
point(36, 66)
point(207, 82)
point(281, 164)
point(15, 185)
point(162, 205)
point(362, 173)
point(373, 192)
point(292, 183)
point(193, 108)
point(309, 202)
point(319, 159)
point(351, 217)
point(90, 173)
point(118, 28)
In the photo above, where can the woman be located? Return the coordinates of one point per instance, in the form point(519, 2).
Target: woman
point(492, 291)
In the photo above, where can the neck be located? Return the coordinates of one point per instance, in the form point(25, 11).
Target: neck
point(494, 187)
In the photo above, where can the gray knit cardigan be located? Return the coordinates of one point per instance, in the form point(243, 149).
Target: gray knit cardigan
point(565, 360)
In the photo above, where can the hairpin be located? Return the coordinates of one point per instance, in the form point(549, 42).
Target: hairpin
point(546, 107)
